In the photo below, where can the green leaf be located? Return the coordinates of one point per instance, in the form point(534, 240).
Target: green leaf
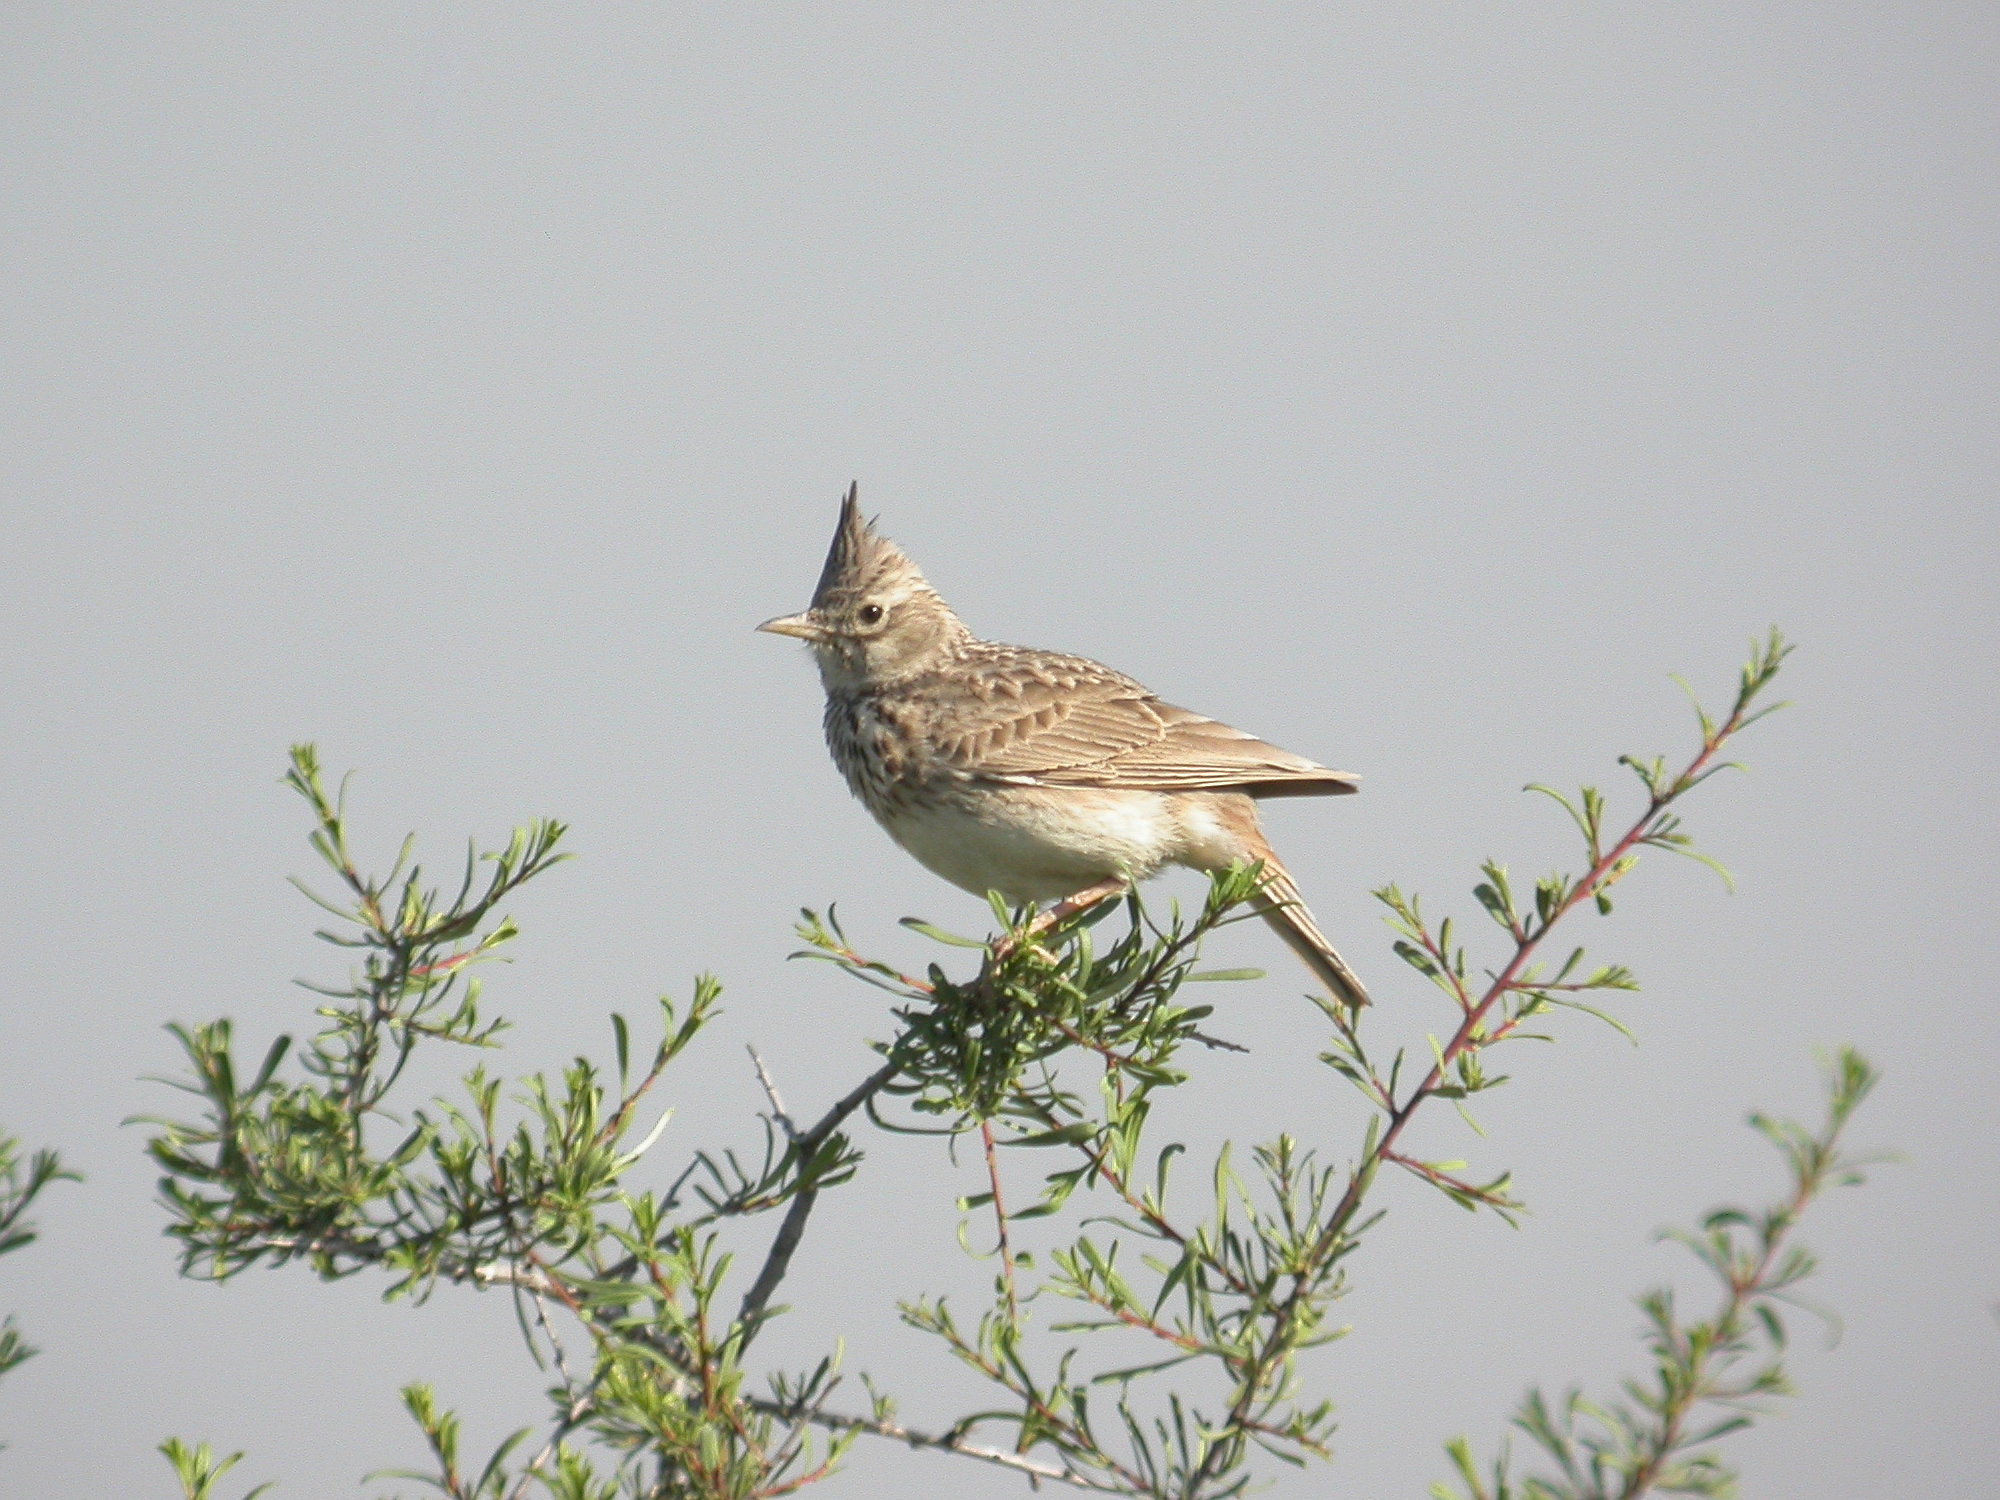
point(939, 935)
point(622, 1044)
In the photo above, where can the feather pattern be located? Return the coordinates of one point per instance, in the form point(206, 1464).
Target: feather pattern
point(1039, 718)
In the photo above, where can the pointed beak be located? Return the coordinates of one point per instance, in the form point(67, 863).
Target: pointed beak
point(804, 626)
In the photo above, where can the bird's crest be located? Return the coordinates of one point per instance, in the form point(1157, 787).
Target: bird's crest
point(859, 558)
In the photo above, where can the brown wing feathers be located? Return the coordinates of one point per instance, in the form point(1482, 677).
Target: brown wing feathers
point(1065, 721)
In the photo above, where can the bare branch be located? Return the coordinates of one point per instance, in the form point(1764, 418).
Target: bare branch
point(779, 1259)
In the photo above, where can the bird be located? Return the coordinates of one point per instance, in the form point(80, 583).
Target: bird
point(1045, 777)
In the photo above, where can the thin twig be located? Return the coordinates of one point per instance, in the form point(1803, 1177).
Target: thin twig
point(779, 1258)
point(1217, 1044)
point(953, 1442)
point(1000, 1224)
point(1605, 868)
point(536, 1279)
point(1681, 1397)
point(573, 1414)
point(778, 1112)
point(614, 1126)
point(1047, 1421)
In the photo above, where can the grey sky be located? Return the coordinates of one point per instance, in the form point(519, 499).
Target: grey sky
point(1417, 387)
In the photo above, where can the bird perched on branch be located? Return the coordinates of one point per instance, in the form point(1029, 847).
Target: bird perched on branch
point(1041, 776)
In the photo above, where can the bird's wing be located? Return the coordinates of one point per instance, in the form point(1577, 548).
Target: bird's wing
point(1065, 721)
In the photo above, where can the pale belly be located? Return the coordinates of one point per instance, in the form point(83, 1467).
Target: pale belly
point(1031, 844)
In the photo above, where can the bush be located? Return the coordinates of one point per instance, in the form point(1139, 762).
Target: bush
point(1050, 1042)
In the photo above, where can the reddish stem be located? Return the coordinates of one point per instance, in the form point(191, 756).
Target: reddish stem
point(1467, 1035)
point(1000, 1219)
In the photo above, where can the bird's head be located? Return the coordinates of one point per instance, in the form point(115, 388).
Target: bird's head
point(873, 619)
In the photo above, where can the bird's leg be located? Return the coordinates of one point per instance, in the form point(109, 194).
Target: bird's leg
point(1109, 888)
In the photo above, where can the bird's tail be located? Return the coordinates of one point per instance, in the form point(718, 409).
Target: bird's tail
point(1281, 905)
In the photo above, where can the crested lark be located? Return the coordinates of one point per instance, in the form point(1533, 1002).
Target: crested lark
point(1041, 776)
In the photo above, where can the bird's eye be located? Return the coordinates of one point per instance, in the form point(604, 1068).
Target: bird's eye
point(871, 614)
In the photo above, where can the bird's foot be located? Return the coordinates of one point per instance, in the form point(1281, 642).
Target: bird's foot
point(1107, 889)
